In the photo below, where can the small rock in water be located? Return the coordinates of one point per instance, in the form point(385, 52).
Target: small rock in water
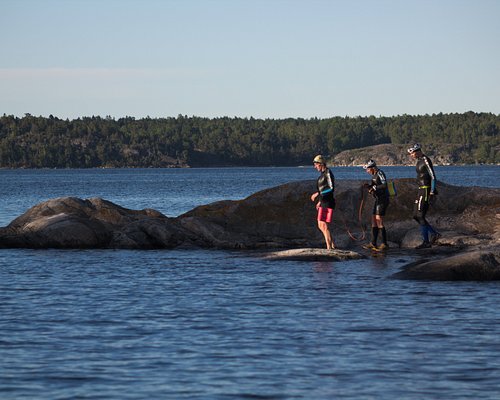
point(311, 254)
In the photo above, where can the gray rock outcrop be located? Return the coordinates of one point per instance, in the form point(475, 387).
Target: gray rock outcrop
point(71, 222)
point(275, 218)
point(284, 216)
point(468, 266)
point(309, 254)
point(395, 154)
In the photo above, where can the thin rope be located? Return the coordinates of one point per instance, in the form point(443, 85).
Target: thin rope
point(360, 220)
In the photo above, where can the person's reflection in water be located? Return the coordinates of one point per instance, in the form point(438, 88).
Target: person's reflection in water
point(323, 274)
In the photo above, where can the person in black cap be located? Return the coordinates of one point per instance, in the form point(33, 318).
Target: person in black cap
point(426, 179)
point(326, 203)
point(378, 189)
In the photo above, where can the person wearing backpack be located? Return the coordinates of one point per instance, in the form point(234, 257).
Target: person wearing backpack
point(378, 189)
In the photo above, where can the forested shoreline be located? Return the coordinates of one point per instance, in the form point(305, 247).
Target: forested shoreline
point(96, 142)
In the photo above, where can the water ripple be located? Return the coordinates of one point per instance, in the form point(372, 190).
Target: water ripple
point(215, 325)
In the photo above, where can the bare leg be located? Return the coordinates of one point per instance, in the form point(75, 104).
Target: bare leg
point(378, 221)
point(323, 227)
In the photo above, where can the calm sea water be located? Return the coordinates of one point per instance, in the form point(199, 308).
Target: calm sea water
point(117, 324)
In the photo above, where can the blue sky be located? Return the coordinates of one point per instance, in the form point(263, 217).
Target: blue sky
point(255, 58)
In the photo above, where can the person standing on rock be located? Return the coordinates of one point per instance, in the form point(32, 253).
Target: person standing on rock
point(426, 179)
point(378, 189)
point(325, 198)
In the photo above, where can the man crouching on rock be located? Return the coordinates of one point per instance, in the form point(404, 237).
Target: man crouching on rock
point(326, 203)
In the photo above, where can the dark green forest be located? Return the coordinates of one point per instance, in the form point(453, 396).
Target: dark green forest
point(89, 142)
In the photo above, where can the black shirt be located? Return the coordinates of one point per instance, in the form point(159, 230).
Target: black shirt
point(379, 184)
point(326, 187)
point(425, 173)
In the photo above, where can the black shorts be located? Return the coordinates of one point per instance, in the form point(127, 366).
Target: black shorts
point(380, 207)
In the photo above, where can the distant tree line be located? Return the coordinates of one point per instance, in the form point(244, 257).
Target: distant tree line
point(50, 142)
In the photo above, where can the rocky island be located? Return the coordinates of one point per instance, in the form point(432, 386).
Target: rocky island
point(395, 154)
point(280, 218)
